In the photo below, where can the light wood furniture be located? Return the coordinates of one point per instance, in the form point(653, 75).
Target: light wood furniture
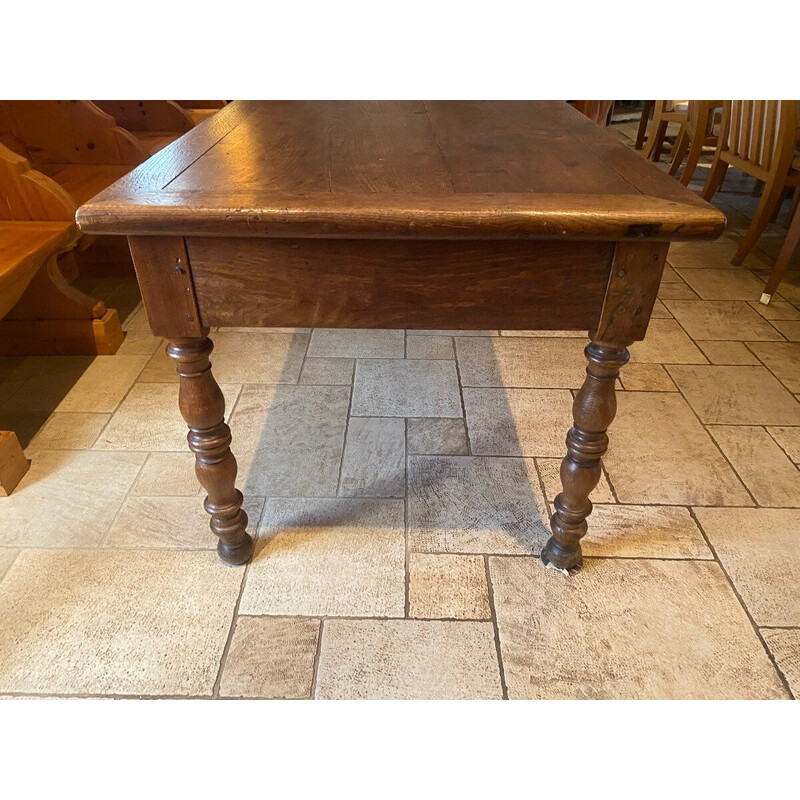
point(782, 262)
point(696, 133)
point(153, 123)
point(13, 464)
point(40, 313)
point(201, 110)
point(664, 112)
point(758, 137)
point(641, 131)
point(84, 150)
point(462, 215)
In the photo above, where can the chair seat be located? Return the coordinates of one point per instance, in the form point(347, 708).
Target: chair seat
point(23, 248)
point(84, 181)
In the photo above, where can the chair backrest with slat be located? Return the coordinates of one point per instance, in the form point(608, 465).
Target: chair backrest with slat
point(26, 194)
point(147, 115)
point(68, 132)
point(759, 135)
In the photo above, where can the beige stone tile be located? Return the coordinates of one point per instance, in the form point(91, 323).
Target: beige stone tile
point(408, 659)
point(549, 334)
point(139, 339)
point(328, 371)
point(736, 395)
point(785, 647)
point(323, 557)
point(111, 622)
point(167, 474)
point(68, 498)
point(789, 440)
point(703, 255)
point(514, 422)
point(7, 556)
point(665, 343)
point(791, 330)
point(729, 354)
point(429, 347)
point(676, 291)
point(288, 440)
point(549, 470)
point(465, 504)
point(40, 383)
point(175, 522)
point(387, 388)
point(721, 320)
point(723, 284)
point(374, 462)
point(149, 419)
point(258, 357)
point(352, 343)
point(271, 658)
point(783, 359)
point(521, 362)
point(670, 276)
point(437, 437)
point(69, 431)
point(644, 532)
point(760, 550)
point(776, 310)
point(660, 311)
point(453, 333)
point(766, 471)
point(627, 629)
point(103, 385)
point(646, 378)
point(660, 453)
point(789, 288)
point(159, 369)
point(447, 586)
point(242, 356)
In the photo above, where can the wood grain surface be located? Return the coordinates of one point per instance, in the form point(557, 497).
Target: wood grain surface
point(388, 169)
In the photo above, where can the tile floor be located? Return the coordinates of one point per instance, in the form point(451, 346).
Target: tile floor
point(399, 484)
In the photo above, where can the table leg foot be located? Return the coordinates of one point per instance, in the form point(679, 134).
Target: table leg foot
point(593, 410)
point(203, 407)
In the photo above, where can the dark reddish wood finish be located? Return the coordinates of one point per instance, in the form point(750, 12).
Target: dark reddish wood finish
point(400, 214)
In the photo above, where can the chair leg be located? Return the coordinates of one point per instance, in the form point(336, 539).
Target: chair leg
point(641, 133)
point(695, 151)
point(773, 193)
point(716, 175)
point(782, 261)
point(679, 151)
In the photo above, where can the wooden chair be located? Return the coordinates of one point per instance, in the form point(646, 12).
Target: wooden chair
point(40, 313)
point(695, 134)
point(201, 110)
point(664, 112)
point(153, 123)
point(641, 133)
point(84, 150)
point(782, 261)
point(758, 137)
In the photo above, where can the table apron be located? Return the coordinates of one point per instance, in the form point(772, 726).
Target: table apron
point(418, 284)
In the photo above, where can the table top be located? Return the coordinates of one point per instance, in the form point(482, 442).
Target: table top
point(400, 169)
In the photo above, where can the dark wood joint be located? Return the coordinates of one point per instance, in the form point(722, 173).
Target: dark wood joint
point(631, 292)
point(165, 278)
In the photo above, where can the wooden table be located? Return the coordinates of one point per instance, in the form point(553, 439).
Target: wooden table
point(453, 215)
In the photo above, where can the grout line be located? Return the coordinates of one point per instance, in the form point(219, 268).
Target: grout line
point(495, 625)
point(746, 610)
point(234, 619)
point(463, 405)
point(317, 653)
point(407, 558)
point(344, 441)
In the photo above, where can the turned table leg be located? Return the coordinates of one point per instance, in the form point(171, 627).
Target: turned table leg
point(593, 410)
point(203, 407)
